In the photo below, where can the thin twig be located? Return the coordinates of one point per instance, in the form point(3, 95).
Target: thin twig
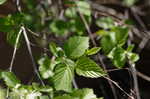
point(135, 81)
point(13, 57)
point(98, 55)
point(31, 56)
point(143, 76)
point(15, 50)
point(75, 84)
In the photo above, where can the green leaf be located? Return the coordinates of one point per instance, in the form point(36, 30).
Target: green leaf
point(117, 36)
point(83, 7)
point(2, 93)
point(105, 22)
point(102, 32)
point(64, 73)
point(76, 46)
point(129, 22)
point(59, 27)
point(130, 48)
point(88, 68)
point(93, 51)
point(71, 12)
point(85, 93)
point(108, 42)
point(10, 79)
point(12, 37)
point(118, 57)
point(46, 67)
point(2, 1)
point(133, 57)
point(56, 51)
point(77, 26)
point(121, 34)
point(43, 97)
point(53, 49)
point(65, 97)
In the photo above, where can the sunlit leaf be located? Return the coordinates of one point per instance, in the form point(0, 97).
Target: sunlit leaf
point(88, 68)
point(46, 67)
point(84, 93)
point(10, 79)
point(2, 93)
point(93, 50)
point(64, 74)
point(76, 46)
point(118, 57)
point(133, 57)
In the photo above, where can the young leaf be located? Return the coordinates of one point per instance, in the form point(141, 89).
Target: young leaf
point(10, 79)
point(130, 48)
point(76, 46)
point(53, 49)
point(93, 51)
point(108, 42)
point(133, 57)
point(63, 77)
point(88, 68)
point(2, 1)
point(118, 57)
point(121, 34)
point(46, 67)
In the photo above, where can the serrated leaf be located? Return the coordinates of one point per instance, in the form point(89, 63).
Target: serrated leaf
point(10, 79)
point(76, 46)
point(63, 77)
point(93, 51)
point(105, 22)
point(88, 68)
point(2, 1)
